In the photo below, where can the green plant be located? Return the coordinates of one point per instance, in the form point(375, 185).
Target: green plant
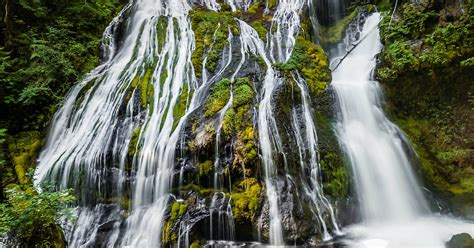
point(30, 218)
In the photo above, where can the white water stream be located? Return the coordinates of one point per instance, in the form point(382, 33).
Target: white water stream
point(394, 210)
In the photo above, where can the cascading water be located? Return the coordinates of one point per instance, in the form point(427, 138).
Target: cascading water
point(86, 128)
point(394, 210)
point(124, 108)
point(372, 143)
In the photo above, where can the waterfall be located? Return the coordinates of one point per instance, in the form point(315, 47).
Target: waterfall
point(84, 130)
point(394, 211)
point(383, 174)
point(116, 136)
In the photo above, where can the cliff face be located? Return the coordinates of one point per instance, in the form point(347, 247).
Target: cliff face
point(426, 69)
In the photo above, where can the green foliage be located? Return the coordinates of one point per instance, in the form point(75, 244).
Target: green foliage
point(427, 73)
point(195, 244)
point(416, 41)
point(272, 3)
point(48, 46)
point(411, 23)
point(177, 211)
point(384, 5)
point(253, 8)
point(448, 44)
point(31, 218)
point(401, 55)
point(182, 104)
point(3, 135)
point(142, 82)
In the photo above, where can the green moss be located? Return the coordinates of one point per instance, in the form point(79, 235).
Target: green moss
point(245, 200)
point(333, 34)
point(167, 232)
point(205, 167)
point(411, 23)
point(309, 59)
point(182, 209)
point(195, 244)
point(261, 63)
point(437, 45)
point(272, 3)
point(243, 92)
point(427, 78)
point(174, 211)
point(228, 124)
point(445, 169)
point(132, 145)
point(261, 30)
point(24, 148)
point(253, 8)
point(182, 104)
point(143, 82)
point(209, 38)
point(335, 175)
point(177, 211)
point(384, 5)
point(218, 98)
point(161, 27)
point(245, 153)
point(202, 191)
point(238, 116)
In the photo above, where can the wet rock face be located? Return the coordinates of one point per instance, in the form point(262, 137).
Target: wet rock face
point(298, 222)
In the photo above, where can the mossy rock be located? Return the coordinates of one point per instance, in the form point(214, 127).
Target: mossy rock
point(169, 233)
point(462, 240)
point(335, 33)
point(427, 77)
point(311, 61)
point(246, 200)
point(133, 145)
point(143, 82)
point(24, 148)
point(218, 98)
point(335, 175)
point(239, 116)
point(211, 32)
point(205, 168)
